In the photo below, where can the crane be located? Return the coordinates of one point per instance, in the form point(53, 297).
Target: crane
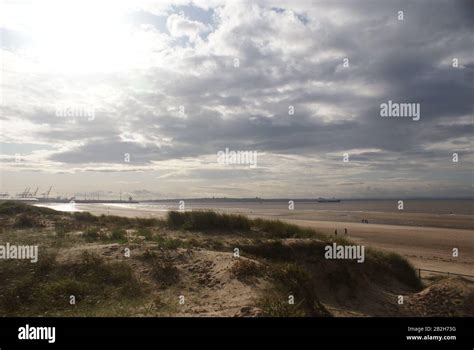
point(25, 194)
point(46, 194)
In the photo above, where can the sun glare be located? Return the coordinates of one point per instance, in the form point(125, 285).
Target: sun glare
point(81, 36)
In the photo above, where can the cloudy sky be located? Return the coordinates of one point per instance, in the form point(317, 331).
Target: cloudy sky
point(140, 96)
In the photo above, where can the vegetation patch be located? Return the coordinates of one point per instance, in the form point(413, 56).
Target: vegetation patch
point(384, 264)
point(207, 221)
point(170, 243)
point(46, 287)
point(210, 221)
point(24, 220)
point(164, 273)
point(145, 232)
point(118, 234)
point(280, 229)
point(12, 208)
point(246, 270)
point(294, 293)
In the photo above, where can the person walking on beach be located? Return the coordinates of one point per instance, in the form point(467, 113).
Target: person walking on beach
point(335, 232)
point(345, 231)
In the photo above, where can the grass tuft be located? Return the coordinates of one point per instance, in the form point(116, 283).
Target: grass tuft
point(211, 221)
point(164, 272)
point(26, 221)
point(207, 221)
point(292, 280)
point(384, 263)
point(246, 270)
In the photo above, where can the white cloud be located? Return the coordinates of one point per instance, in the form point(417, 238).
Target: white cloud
point(179, 25)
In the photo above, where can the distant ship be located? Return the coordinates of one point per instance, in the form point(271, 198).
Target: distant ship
point(328, 200)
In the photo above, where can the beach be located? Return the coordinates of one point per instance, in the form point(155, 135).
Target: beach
point(426, 239)
point(145, 259)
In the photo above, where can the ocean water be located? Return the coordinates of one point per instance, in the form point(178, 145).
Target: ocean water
point(451, 206)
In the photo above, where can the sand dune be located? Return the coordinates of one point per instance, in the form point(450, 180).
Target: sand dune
point(427, 247)
point(135, 267)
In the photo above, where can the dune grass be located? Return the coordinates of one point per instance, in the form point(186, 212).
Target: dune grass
point(209, 221)
point(378, 265)
point(46, 287)
point(280, 229)
point(394, 264)
point(291, 281)
point(246, 270)
point(24, 220)
point(11, 208)
point(165, 273)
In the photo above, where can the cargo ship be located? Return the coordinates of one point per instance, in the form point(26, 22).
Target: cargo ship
point(328, 200)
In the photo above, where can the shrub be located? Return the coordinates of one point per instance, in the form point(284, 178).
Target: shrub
point(246, 270)
point(145, 232)
point(164, 272)
point(278, 306)
point(91, 234)
point(146, 222)
point(148, 255)
point(169, 243)
point(25, 221)
point(62, 227)
point(45, 264)
point(85, 217)
point(118, 234)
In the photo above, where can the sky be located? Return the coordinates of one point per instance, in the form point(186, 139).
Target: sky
point(141, 97)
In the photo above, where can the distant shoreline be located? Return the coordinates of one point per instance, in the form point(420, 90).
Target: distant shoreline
point(445, 214)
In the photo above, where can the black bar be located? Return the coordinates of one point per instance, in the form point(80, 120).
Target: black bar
point(378, 331)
